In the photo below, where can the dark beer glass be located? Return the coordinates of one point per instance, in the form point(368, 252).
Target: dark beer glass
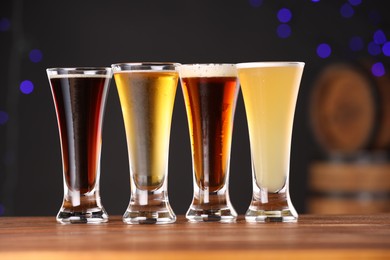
point(79, 96)
point(210, 93)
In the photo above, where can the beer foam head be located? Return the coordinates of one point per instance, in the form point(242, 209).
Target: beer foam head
point(269, 64)
point(207, 70)
point(66, 76)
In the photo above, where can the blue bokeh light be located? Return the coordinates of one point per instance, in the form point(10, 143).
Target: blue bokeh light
point(375, 17)
point(5, 24)
point(35, 55)
point(386, 49)
point(26, 87)
point(3, 117)
point(374, 49)
point(255, 3)
point(379, 37)
point(378, 70)
point(356, 43)
point(315, 1)
point(346, 10)
point(284, 15)
point(355, 2)
point(324, 50)
point(284, 30)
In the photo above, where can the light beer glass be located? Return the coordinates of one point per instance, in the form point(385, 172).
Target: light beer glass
point(79, 96)
point(147, 94)
point(210, 93)
point(270, 91)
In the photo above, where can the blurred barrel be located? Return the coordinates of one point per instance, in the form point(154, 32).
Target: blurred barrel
point(350, 118)
point(349, 188)
point(350, 109)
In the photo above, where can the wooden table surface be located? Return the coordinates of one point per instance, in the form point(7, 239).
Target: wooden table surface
point(313, 237)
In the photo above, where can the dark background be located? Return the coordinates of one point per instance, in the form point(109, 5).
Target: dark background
point(99, 33)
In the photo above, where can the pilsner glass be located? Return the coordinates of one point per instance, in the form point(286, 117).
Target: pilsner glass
point(79, 96)
point(270, 92)
point(147, 94)
point(210, 94)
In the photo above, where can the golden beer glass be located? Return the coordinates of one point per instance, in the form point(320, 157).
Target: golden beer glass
point(270, 91)
point(147, 94)
point(210, 94)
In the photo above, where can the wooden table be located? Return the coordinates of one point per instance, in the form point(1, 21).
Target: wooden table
point(313, 237)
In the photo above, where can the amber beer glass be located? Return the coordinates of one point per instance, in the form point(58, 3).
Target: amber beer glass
point(210, 94)
point(79, 96)
point(270, 92)
point(147, 93)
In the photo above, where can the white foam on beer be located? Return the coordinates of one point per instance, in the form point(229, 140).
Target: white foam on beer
point(144, 71)
point(267, 64)
point(207, 70)
point(67, 76)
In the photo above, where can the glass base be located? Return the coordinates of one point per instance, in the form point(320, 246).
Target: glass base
point(149, 207)
point(270, 216)
point(271, 207)
point(211, 207)
point(95, 216)
point(225, 215)
point(148, 217)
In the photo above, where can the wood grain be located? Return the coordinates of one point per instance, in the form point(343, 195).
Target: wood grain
point(340, 188)
point(350, 177)
point(313, 237)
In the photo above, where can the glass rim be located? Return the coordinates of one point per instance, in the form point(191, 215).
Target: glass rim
point(81, 69)
point(144, 66)
point(267, 64)
point(84, 72)
point(207, 64)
